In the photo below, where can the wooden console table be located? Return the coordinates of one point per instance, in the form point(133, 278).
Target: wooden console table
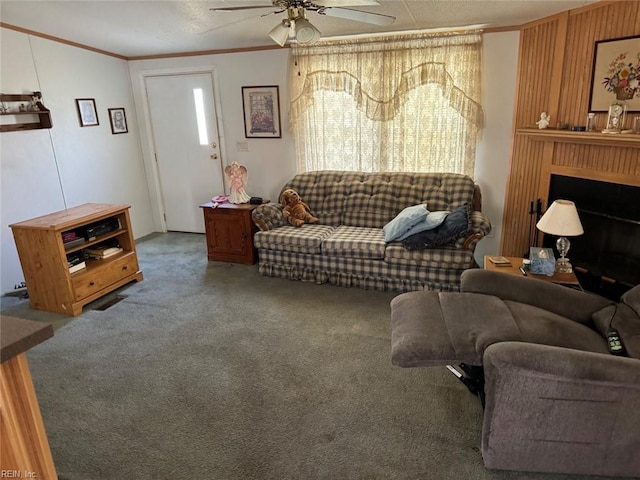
point(44, 256)
point(24, 449)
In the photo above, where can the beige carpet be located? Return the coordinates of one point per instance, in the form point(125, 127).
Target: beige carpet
point(209, 370)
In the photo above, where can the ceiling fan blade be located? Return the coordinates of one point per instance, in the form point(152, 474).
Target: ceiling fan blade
point(346, 3)
point(233, 9)
point(358, 16)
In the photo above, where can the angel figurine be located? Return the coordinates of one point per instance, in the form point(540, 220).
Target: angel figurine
point(237, 179)
point(544, 121)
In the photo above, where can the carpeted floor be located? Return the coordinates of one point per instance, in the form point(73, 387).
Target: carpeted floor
point(209, 370)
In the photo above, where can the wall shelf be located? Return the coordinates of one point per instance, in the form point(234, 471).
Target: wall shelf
point(43, 114)
point(629, 140)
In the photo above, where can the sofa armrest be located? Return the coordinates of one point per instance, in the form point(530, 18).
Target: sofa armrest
point(480, 228)
point(269, 216)
point(560, 410)
point(574, 304)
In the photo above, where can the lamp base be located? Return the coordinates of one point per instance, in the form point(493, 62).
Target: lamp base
point(563, 265)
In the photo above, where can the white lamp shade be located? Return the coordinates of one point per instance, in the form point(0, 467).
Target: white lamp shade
point(305, 32)
point(280, 33)
point(561, 219)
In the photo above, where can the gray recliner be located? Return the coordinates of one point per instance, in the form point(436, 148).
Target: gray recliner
point(556, 399)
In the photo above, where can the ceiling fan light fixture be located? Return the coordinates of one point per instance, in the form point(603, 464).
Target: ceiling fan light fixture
point(280, 33)
point(306, 33)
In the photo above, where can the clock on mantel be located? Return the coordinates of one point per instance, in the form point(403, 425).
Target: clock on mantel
point(629, 140)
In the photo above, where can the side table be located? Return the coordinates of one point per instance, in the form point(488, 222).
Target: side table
point(229, 231)
point(568, 279)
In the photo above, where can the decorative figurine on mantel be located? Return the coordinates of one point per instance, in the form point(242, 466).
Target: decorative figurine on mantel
point(237, 177)
point(544, 121)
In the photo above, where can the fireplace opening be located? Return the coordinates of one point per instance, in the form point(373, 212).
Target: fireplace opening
point(606, 258)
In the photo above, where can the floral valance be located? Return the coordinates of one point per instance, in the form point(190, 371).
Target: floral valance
point(402, 63)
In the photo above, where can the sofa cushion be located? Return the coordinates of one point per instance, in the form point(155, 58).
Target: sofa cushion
point(355, 242)
point(456, 225)
point(537, 325)
point(408, 218)
point(442, 257)
point(305, 239)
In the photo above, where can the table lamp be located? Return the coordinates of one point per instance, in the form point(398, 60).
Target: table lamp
point(561, 219)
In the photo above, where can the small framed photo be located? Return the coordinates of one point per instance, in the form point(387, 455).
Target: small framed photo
point(87, 113)
point(261, 107)
point(118, 120)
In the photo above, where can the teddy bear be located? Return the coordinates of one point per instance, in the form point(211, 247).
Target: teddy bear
point(295, 210)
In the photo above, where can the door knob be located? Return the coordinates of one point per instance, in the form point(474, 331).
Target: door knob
point(214, 156)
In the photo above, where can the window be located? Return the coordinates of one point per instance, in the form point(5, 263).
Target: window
point(401, 105)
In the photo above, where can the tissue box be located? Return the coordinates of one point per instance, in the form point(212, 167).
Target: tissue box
point(542, 261)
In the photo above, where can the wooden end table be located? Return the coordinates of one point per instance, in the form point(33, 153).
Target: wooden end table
point(568, 279)
point(229, 231)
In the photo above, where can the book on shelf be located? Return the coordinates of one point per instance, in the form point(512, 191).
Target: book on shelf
point(500, 261)
point(77, 267)
point(111, 252)
point(103, 250)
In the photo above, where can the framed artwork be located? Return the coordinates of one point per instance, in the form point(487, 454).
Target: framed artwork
point(118, 120)
point(616, 74)
point(87, 113)
point(261, 107)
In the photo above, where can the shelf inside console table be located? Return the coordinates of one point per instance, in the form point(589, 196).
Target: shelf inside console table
point(629, 140)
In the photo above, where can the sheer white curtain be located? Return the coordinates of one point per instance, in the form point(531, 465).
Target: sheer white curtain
point(401, 103)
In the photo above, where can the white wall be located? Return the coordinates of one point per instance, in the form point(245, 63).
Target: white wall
point(270, 162)
point(47, 170)
point(499, 72)
point(96, 166)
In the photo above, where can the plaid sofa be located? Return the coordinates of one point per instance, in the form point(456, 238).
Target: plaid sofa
point(347, 248)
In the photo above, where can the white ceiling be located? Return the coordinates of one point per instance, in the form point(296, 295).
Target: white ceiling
point(134, 28)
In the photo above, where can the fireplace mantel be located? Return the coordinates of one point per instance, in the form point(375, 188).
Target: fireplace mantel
point(629, 140)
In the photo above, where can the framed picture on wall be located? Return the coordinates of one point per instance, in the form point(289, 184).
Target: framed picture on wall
point(118, 120)
point(87, 113)
point(616, 74)
point(261, 107)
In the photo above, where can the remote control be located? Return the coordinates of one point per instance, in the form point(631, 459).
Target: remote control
point(615, 343)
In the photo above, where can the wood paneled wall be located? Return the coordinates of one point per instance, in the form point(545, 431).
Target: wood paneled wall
point(554, 75)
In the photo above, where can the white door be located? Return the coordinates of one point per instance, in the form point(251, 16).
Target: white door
point(187, 147)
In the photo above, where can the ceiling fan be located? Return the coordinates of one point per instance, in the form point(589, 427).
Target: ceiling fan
point(298, 27)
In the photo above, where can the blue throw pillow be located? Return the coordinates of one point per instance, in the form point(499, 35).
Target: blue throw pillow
point(456, 225)
point(433, 220)
point(406, 219)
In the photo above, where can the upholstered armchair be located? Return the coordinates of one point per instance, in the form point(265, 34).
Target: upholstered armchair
point(556, 399)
